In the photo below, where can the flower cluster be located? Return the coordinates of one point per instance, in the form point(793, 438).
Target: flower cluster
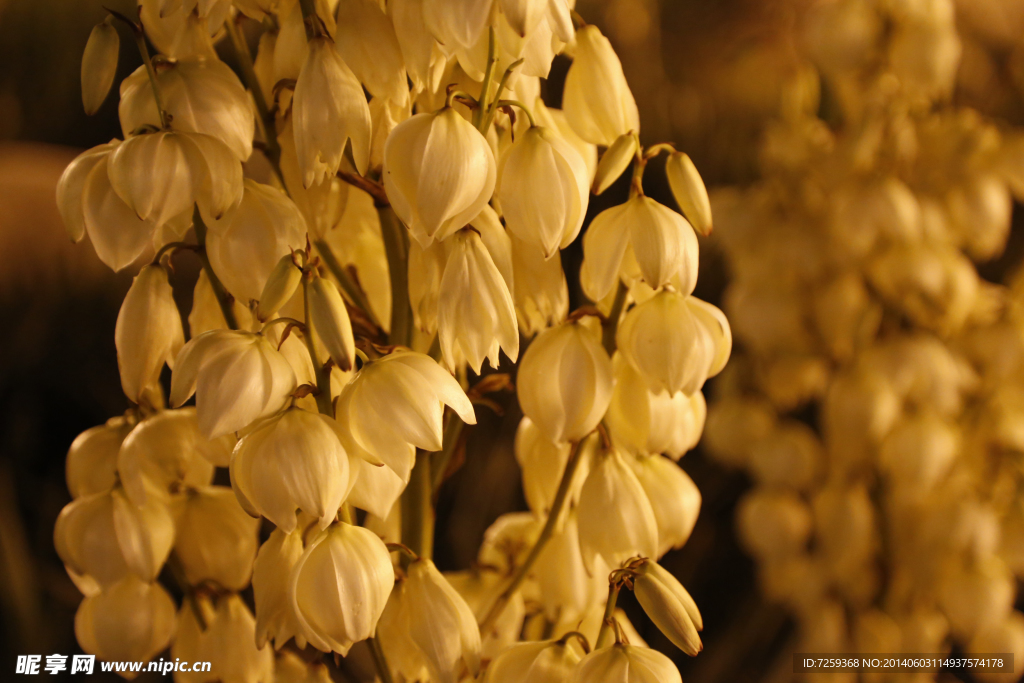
point(378, 206)
point(873, 400)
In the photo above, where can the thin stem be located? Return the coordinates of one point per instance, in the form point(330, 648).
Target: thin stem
point(655, 150)
point(492, 108)
point(290, 321)
point(461, 94)
point(584, 643)
point(417, 510)
point(140, 42)
point(611, 325)
point(225, 299)
point(378, 658)
point(545, 535)
point(609, 614)
point(352, 290)
point(314, 25)
point(396, 246)
point(439, 464)
point(636, 186)
point(268, 126)
point(517, 103)
point(171, 246)
point(402, 548)
point(492, 59)
point(323, 374)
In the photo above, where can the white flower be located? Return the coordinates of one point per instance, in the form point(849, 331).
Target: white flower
point(216, 539)
point(271, 572)
point(565, 382)
point(224, 638)
point(616, 520)
point(376, 489)
point(427, 627)
point(247, 243)
point(426, 266)
point(328, 110)
point(331, 323)
point(293, 460)
point(144, 533)
point(99, 65)
point(544, 190)
point(148, 332)
point(597, 100)
point(476, 316)
point(423, 58)
point(201, 96)
point(339, 587)
point(129, 621)
point(669, 606)
point(439, 173)
point(91, 465)
point(541, 292)
point(395, 404)
point(674, 498)
point(366, 40)
point(86, 540)
point(215, 364)
point(544, 661)
point(663, 243)
point(689, 191)
point(542, 462)
point(568, 588)
point(457, 24)
point(675, 342)
point(625, 664)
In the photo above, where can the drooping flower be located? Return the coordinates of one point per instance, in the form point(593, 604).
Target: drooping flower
point(216, 539)
point(131, 620)
point(275, 616)
point(91, 465)
point(544, 661)
point(622, 662)
point(223, 637)
point(597, 100)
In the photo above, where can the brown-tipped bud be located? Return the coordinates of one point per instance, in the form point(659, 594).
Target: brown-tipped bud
point(669, 606)
point(331, 322)
point(689, 191)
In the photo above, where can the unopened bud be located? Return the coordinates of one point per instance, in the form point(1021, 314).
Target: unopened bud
point(99, 64)
point(331, 322)
point(689, 191)
point(669, 606)
point(614, 161)
point(281, 285)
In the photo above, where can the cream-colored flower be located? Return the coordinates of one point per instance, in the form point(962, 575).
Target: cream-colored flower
point(541, 292)
point(91, 465)
point(130, 621)
point(144, 533)
point(597, 101)
point(394, 405)
point(476, 317)
point(420, 50)
point(99, 65)
point(216, 538)
point(616, 520)
point(271, 572)
point(674, 498)
point(457, 24)
point(675, 342)
point(179, 34)
point(689, 191)
point(249, 241)
point(366, 40)
point(565, 381)
point(625, 663)
point(215, 364)
point(544, 190)
point(86, 540)
point(427, 627)
point(201, 96)
point(223, 637)
point(569, 589)
point(339, 587)
point(669, 606)
point(542, 462)
point(439, 173)
point(328, 110)
point(480, 588)
point(148, 332)
point(293, 460)
point(662, 242)
point(375, 489)
point(331, 323)
point(545, 661)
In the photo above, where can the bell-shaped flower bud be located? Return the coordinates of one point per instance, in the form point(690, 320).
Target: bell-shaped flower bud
point(625, 663)
point(394, 405)
point(542, 462)
point(99, 65)
point(86, 540)
point(131, 620)
point(145, 534)
point(161, 175)
point(329, 110)
point(246, 245)
point(568, 588)
point(91, 465)
point(456, 25)
point(674, 498)
point(669, 606)
point(271, 572)
point(331, 323)
point(222, 636)
point(476, 317)
point(439, 173)
point(614, 161)
point(166, 453)
point(368, 44)
point(541, 292)
point(200, 95)
point(339, 587)
point(689, 191)
point(597, 100)
point(546, 661)
point(675, 342)
point(645, 422)
point(217, 539)
point(88, 204)
point(376, 489)
point(616, 520)
point(294, 460)
point(663, 243)
point(148, 332)
point(281, 284)
point(544, 190)
point(565, 381)
point(428, 627)
point(215, 364)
